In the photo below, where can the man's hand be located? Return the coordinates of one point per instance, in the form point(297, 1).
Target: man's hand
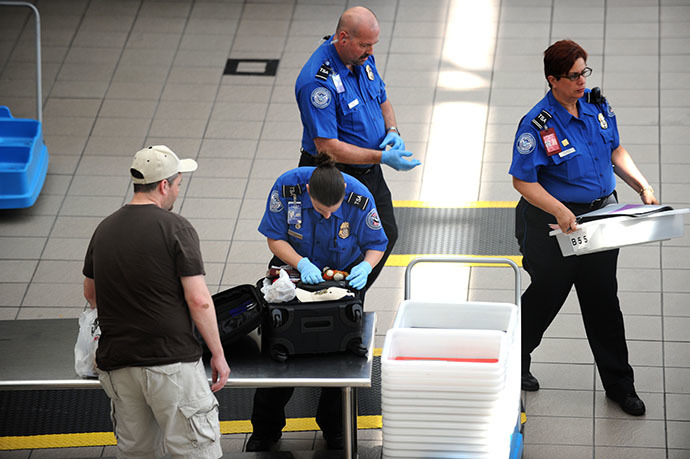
point(309, 273)
point(358, 275)
point(394, 140)
point(396, 160)
point(219, 372)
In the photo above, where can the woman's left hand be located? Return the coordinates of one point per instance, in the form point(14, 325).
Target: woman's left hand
point(358, 275)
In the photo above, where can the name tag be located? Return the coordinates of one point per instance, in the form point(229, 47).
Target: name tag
point(294, 234)
point(353, 104)
point(567, 152)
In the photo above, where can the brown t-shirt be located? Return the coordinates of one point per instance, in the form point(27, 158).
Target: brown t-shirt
point(136, 257)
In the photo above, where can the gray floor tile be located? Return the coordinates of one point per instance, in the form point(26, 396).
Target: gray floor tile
point(88, 206)
point(249, 252)
point(625, 432)
point(678, 434)
point(11, 294)
point(17, 270)
point(566, 326)
point(576, 377)
point(559, 431)
point(21, 248)
point(207, 187)
point(65, 249)
point(210, 208)
point(677, 354)
point(533, 451)
point(244, 273)
point(30, 313)
point(59, 271)
point(629, 453)
point(246, 230)
point(133, 90)
point(549, 402)
point(54, 295)
point(558, 350)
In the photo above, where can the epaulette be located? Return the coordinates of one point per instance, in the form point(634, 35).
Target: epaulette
point(540, 120)
point(357, 200)
point(324, 71)
point(293, 190)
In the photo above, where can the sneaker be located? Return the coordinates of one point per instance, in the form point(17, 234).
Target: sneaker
point(529, 382)
point(630, 403)
point(260, 442)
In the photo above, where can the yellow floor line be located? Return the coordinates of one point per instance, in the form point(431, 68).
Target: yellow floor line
point(108, 438)
point(404, 260)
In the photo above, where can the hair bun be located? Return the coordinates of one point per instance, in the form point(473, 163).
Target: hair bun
point(324, 160)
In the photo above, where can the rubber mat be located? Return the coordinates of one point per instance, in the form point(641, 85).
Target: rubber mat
point(456, 231)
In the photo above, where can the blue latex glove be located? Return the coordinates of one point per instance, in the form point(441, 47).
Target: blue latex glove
point(358, 275)
point(395, 159)
point(394, 140)
point(309, 273)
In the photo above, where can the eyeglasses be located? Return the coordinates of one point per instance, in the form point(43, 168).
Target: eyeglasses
point(576, 76)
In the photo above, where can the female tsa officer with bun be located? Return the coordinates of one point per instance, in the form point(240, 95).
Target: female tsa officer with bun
point(565, 155)
point(316, 217)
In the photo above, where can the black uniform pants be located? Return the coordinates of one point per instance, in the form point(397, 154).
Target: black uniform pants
point(373, 179)
point(268, 414)
point(553, 275)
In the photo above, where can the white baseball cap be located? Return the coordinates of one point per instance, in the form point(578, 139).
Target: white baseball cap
point(158, 162)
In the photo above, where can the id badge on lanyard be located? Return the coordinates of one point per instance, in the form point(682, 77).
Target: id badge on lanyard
point(294, 214)
point(551, 144)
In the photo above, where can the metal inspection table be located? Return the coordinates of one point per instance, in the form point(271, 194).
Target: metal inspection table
point(39, 354)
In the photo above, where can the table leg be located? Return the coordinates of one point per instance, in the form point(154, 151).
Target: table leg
point(350, 422)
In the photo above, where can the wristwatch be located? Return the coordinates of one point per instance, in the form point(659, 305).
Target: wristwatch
point(393, 128)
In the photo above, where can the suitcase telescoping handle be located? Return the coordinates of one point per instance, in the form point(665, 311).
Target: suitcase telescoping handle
point(465, 260)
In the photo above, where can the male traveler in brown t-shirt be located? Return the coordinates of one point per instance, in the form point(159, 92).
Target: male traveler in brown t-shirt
point(144, 270)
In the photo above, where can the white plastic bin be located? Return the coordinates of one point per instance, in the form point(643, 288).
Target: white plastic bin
point(468, 315)
point(610, 233)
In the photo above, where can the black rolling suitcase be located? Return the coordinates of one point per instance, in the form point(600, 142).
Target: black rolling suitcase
point(315, 327)
point(292, 327)
point(239, 310)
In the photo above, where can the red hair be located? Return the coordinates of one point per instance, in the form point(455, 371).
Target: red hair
point(560, 57)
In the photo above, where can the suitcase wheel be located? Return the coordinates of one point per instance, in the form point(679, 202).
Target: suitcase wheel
point(276, 318)
point(356, 347)
point(356, 313)
point(279, 353)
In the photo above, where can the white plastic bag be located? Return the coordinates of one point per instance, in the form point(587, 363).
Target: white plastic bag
point(87, 343)
point(281, 290)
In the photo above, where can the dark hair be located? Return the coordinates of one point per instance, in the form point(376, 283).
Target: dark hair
point(326, 184)
point(560, 57)
point(148, 187)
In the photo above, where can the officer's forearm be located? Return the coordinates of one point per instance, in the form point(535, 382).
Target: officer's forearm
point(346, 153)
point(388, 115)
point(284, 251)
point(373, 257)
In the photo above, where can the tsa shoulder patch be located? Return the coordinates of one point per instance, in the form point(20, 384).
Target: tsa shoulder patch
point(526, 143)
point(275, 205)
point(373, 220)
point(320, 97)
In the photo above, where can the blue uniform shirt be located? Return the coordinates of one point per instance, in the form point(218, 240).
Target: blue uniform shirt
point(582, 171)
point(335, 103)
point(336, 242)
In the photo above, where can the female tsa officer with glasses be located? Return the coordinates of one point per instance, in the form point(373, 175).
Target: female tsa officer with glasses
point(565, 155)
point(316, 217)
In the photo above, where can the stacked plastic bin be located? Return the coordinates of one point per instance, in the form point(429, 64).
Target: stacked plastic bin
point(450, 380)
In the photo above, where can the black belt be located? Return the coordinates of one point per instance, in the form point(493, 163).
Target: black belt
point(592, 205)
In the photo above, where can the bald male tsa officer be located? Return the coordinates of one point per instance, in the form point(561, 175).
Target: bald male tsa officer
point(346, 113)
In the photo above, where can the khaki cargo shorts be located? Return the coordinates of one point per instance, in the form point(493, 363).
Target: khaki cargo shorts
point(165, 409)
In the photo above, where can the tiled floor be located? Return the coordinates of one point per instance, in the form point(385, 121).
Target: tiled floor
point(118, 75)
